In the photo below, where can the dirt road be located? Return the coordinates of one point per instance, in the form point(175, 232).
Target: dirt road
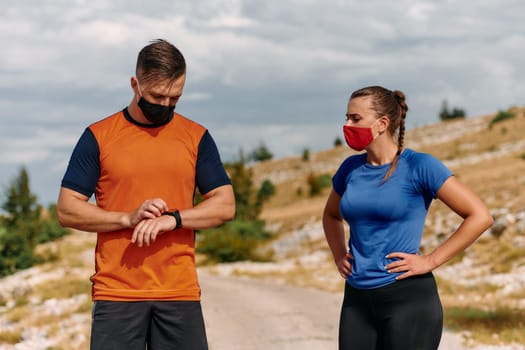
point(248, 314)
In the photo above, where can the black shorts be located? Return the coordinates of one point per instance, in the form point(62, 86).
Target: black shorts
point(158, 325)
point(405, 315)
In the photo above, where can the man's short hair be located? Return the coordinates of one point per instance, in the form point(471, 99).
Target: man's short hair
point(159, 60)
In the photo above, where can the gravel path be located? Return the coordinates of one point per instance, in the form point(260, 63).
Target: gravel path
point(251, 314)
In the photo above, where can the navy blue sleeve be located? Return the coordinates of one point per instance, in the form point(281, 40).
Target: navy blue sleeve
point(83, 170)
point(210, 172)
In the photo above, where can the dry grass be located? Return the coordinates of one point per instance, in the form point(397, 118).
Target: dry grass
point(500, 254)
point(70, 254)
point(18, 314)
point(10, 336)
point(500, 180)
point(66, 287)
point(291, 216)
point(474, 143)
point(458, 295)
point(493, 326)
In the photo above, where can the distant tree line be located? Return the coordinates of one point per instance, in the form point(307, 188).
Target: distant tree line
point(449, 114)
point(24, 225)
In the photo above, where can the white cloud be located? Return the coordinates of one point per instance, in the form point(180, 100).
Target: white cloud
point(421, 11)
point(197, 96)
point(38, 145)
point(105, 32)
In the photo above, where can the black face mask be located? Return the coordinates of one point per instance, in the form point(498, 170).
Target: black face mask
point(155, 113)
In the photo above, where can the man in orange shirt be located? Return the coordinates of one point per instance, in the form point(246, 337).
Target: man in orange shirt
point(143, 164)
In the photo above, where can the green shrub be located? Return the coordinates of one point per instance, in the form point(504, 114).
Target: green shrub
point(325, 180)
point(50, 229)
point(234, 241)
point(24, 226)
point(318, 183)
point(16, 248)
point(266, 190)
point(314, 185)
point(261, 153)
point(501, 116)
point(238, 239)
point(306, 155)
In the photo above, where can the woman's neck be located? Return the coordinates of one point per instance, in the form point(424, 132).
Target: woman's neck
point(381, 153)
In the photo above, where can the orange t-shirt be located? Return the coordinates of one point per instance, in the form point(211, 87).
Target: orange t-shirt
point(135, 163)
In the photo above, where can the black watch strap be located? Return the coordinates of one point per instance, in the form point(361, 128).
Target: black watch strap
point(176, 215)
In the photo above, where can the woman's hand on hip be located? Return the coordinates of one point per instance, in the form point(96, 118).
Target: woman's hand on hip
point(410, 264)
point(344, 266)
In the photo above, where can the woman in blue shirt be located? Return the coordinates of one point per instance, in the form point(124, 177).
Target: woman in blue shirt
point(391, 299)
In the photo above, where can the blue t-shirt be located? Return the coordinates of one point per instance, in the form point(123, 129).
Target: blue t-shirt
point(385, 217)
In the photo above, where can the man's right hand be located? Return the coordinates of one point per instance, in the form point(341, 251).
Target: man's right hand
point(149, 209)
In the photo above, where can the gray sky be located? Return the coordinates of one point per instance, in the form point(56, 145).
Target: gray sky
point(275, 71)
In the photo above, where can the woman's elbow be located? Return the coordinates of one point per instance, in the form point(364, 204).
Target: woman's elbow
point(485, 220)
point(488, 220)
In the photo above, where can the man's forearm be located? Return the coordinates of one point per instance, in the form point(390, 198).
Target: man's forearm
point(85, 216)
point(215, 210)
point(74, 211)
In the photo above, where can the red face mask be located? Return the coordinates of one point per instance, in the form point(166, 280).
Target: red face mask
point(358, 138)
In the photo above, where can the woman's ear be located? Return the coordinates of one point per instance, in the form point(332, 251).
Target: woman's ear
point(383, 124)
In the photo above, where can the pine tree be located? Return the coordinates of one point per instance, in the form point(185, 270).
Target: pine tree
point(21, 226)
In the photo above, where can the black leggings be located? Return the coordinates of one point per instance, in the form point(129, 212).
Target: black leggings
point(405, 315)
